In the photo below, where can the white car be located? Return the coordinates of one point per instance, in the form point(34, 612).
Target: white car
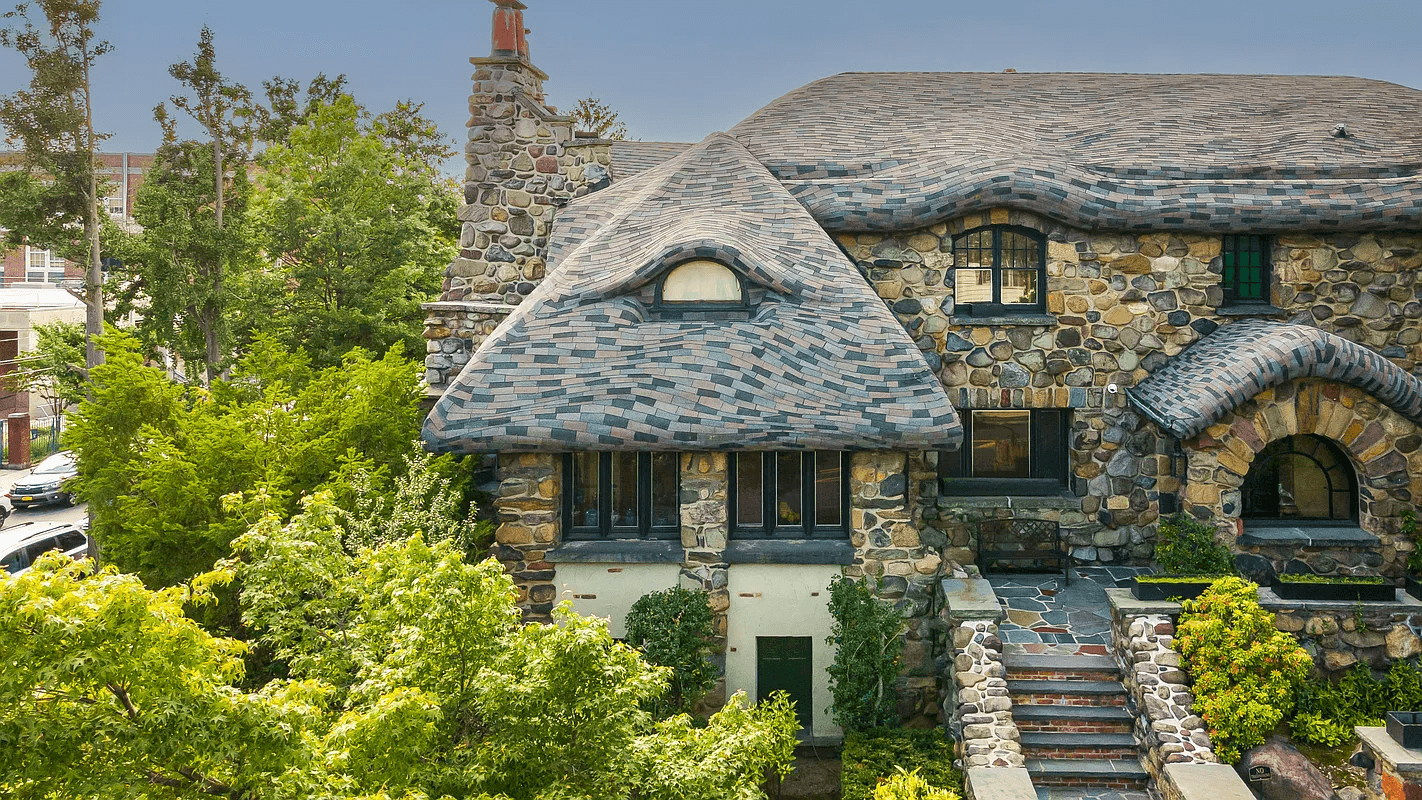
point(21, 545)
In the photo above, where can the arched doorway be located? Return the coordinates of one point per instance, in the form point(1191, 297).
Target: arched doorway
point(1300, 478)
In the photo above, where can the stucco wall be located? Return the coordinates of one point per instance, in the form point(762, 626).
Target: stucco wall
point(781, 600)
point(610, 590)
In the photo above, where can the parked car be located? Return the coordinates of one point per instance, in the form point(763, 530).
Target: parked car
point(45, 483)
point(23, 544)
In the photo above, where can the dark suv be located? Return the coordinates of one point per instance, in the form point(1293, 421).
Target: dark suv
point(45, 483)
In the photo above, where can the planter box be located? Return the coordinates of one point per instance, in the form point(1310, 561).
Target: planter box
point(1414, 586)
point(1405, 728)
point(1183, 588)
point(1350, 592)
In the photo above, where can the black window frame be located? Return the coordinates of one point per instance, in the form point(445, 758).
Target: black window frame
point(702, 309)
point(1048, 454)
point(1250, 491)
point(644, 529)
point(771, 527)
point(1229, 244)
point(997, 308)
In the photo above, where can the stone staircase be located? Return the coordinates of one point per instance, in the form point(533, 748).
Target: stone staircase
point(1076, 729)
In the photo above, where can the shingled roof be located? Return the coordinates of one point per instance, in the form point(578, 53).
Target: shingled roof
point(630, 158)
point(1224, 370)
point(584, 365)
point(894, 151)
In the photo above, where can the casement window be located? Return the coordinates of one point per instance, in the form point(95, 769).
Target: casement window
point(1302, 477)
point(1000, 270)
point(789, 495)
point(1008, 451)
point(702, 289)
point(621, 496)
point(1247, 271)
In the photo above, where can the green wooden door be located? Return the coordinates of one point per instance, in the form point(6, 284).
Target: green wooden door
point(783, 663)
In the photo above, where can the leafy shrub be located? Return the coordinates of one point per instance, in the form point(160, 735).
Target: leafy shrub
point(1328, 712)
point(865, 634)
point(1186, 546)
point(673, 628)
point(910, 786)
point(871, 757)
point(1246, 672)
point(1409, 529)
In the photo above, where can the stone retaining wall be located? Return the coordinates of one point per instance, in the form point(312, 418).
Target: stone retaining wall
point(1339, 635)
point(980, 709)
point(1150, 669)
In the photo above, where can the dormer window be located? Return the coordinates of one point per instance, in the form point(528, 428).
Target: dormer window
point(701, 289)
point(1000, 270)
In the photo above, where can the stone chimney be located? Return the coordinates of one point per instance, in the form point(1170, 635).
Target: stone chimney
point(523, 164)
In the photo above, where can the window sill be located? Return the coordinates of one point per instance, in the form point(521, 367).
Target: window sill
point(1004, 319)
point(996, 487)
point(789, 551)
point(618, 551)
point(1064, 502)
point(1250, 311)
point(1304, 533)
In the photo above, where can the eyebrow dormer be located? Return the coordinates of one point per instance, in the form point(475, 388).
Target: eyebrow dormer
point(702, 289)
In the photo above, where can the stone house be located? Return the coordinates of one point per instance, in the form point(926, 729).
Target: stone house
point(887, 308)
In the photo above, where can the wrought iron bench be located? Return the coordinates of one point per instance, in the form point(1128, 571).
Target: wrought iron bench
point(1022, 545)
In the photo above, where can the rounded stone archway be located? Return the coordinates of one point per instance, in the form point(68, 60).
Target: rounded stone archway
point(1383, 447)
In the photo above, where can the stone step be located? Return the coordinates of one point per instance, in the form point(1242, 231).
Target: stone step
point(1125, 773)
point(1025, 666)
point(1068, 693)
point(1073, 719)
point(1059, 745)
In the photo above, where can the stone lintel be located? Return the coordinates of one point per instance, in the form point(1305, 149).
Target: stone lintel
point(1022, 502)
point(617, 551)
point(1205, 782)
point(971, 598)
point(1001, 783)
point(790, 551)
point(468, 305)
point(1124, 604)
point(1407, 763)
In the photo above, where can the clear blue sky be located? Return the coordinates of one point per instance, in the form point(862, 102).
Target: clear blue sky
point(678, 69)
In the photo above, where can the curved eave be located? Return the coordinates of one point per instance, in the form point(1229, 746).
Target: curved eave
point(1236, 362)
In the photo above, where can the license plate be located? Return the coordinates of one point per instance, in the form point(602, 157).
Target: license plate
point(26, 499)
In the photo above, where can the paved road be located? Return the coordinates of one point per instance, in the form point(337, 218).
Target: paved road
point(51, 513)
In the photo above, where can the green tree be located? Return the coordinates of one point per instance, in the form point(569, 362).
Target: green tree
point(674, 628)
point(592, 115)
point(357, 234)
point(173, 473)
point(196, 241)
point(868, 641)
point(53, 123)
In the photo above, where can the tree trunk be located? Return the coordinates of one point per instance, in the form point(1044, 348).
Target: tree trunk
point(94, 276)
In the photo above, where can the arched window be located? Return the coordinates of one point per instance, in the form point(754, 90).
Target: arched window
point(1000, 269)
point(1301, 477)
point(701, 281)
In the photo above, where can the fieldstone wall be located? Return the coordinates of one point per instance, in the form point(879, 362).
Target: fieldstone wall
point(705, 524)
point(530, 486)
point(453, 331)
point(903, 570)
point(1118, 305)
point(1386, 454)
point(980, 709)
point(1165, 721)
point(1339, 635)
